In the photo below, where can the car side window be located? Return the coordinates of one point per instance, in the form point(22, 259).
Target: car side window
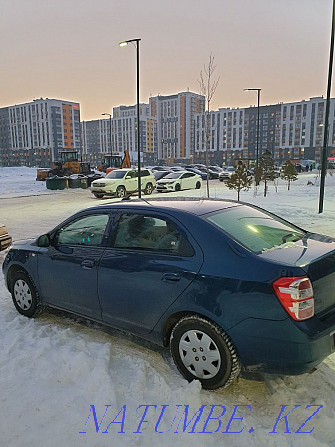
point(140, 232)
point(131, 174)
point(88, 230)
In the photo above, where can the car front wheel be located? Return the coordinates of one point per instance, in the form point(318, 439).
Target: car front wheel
point(120, 192)
point(24, 295)
point(202, 351)
point(98, 195)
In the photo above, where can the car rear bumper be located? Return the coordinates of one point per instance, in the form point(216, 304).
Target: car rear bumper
point(283, 347)
point(5, 238)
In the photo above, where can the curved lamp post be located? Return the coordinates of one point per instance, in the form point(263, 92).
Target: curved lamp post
point(123, 44)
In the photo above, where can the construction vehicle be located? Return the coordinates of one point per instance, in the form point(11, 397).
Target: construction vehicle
point(114, 161)
point(66, 166)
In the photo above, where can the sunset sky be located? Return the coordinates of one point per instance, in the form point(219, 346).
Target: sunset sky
point(68, 49)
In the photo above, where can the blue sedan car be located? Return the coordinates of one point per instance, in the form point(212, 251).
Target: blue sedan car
point(227, 285)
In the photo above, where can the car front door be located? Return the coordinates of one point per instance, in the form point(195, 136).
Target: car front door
point(151, 261)
point(131, 181)
point(68, 268)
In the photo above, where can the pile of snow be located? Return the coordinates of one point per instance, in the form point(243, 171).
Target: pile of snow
point(20, 181)
point(61, 377)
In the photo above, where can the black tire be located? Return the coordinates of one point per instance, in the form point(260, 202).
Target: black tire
point(98, 195)
point(24, 295)
point(148, 189)
point(221, 179)
point(120, 192)
point(225, 366)
point(198, 185)
point(177, 187)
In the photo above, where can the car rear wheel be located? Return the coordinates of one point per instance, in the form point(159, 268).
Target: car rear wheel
point(120, 192)
point(177, 187)
point(148, 189)
point(202, 351)
point(198, 185)
point(97, 195)
point(24, 295)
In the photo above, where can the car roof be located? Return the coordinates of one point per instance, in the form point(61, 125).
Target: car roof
point(181, 204)
point(129, 169)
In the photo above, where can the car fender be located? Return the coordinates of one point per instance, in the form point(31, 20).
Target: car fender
point(23, 259)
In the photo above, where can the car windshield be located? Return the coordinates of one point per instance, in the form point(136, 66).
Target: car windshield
point(172, 175)
point(255, 229)
point(116, 174)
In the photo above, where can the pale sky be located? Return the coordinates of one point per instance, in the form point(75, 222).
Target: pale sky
point(68, 49)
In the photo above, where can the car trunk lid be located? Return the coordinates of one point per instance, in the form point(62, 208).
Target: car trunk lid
point(315, 255)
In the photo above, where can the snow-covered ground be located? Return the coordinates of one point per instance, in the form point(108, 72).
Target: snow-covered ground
point(53, 369)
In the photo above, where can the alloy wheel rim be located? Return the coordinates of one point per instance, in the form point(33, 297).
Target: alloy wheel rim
point(22, 294)
point(199, 354)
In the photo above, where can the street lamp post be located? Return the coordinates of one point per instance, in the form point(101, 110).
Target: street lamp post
point(324, 154)
point(258, 90)
point(110, 126)
point(122, 44)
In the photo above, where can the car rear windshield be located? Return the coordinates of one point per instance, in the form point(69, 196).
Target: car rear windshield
point(255, 229)
point(116, 174)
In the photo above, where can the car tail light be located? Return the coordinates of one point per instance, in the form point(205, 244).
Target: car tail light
point(296, 296)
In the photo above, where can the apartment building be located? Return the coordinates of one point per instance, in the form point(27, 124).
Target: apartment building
point(302, 129)
point(32, 134)
point(124, 133)
point(225, 137)
point(175, 115)
point(119, 133)
point(290, 130)
point(96, 140)
point(172, 130)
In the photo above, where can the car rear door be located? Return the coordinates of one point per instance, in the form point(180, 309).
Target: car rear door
point(151, 261)
point(187, 180)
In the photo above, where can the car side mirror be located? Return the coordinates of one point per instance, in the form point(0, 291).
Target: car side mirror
point(43, 241)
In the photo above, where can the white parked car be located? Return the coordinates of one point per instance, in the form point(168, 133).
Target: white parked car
point(176, 181)
point(121, 182)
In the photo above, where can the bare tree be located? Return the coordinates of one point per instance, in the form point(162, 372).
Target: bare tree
point(207, 89)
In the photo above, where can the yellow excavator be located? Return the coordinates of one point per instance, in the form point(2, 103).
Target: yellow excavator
point(114, 161)
point(68, 164)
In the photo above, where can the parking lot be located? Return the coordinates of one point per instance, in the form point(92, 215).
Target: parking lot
point(83, 364)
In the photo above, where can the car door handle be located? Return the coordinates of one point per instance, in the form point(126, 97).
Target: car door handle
point(87, 264)
point(171, 277)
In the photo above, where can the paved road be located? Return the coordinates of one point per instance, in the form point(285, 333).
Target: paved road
point(31, 216)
